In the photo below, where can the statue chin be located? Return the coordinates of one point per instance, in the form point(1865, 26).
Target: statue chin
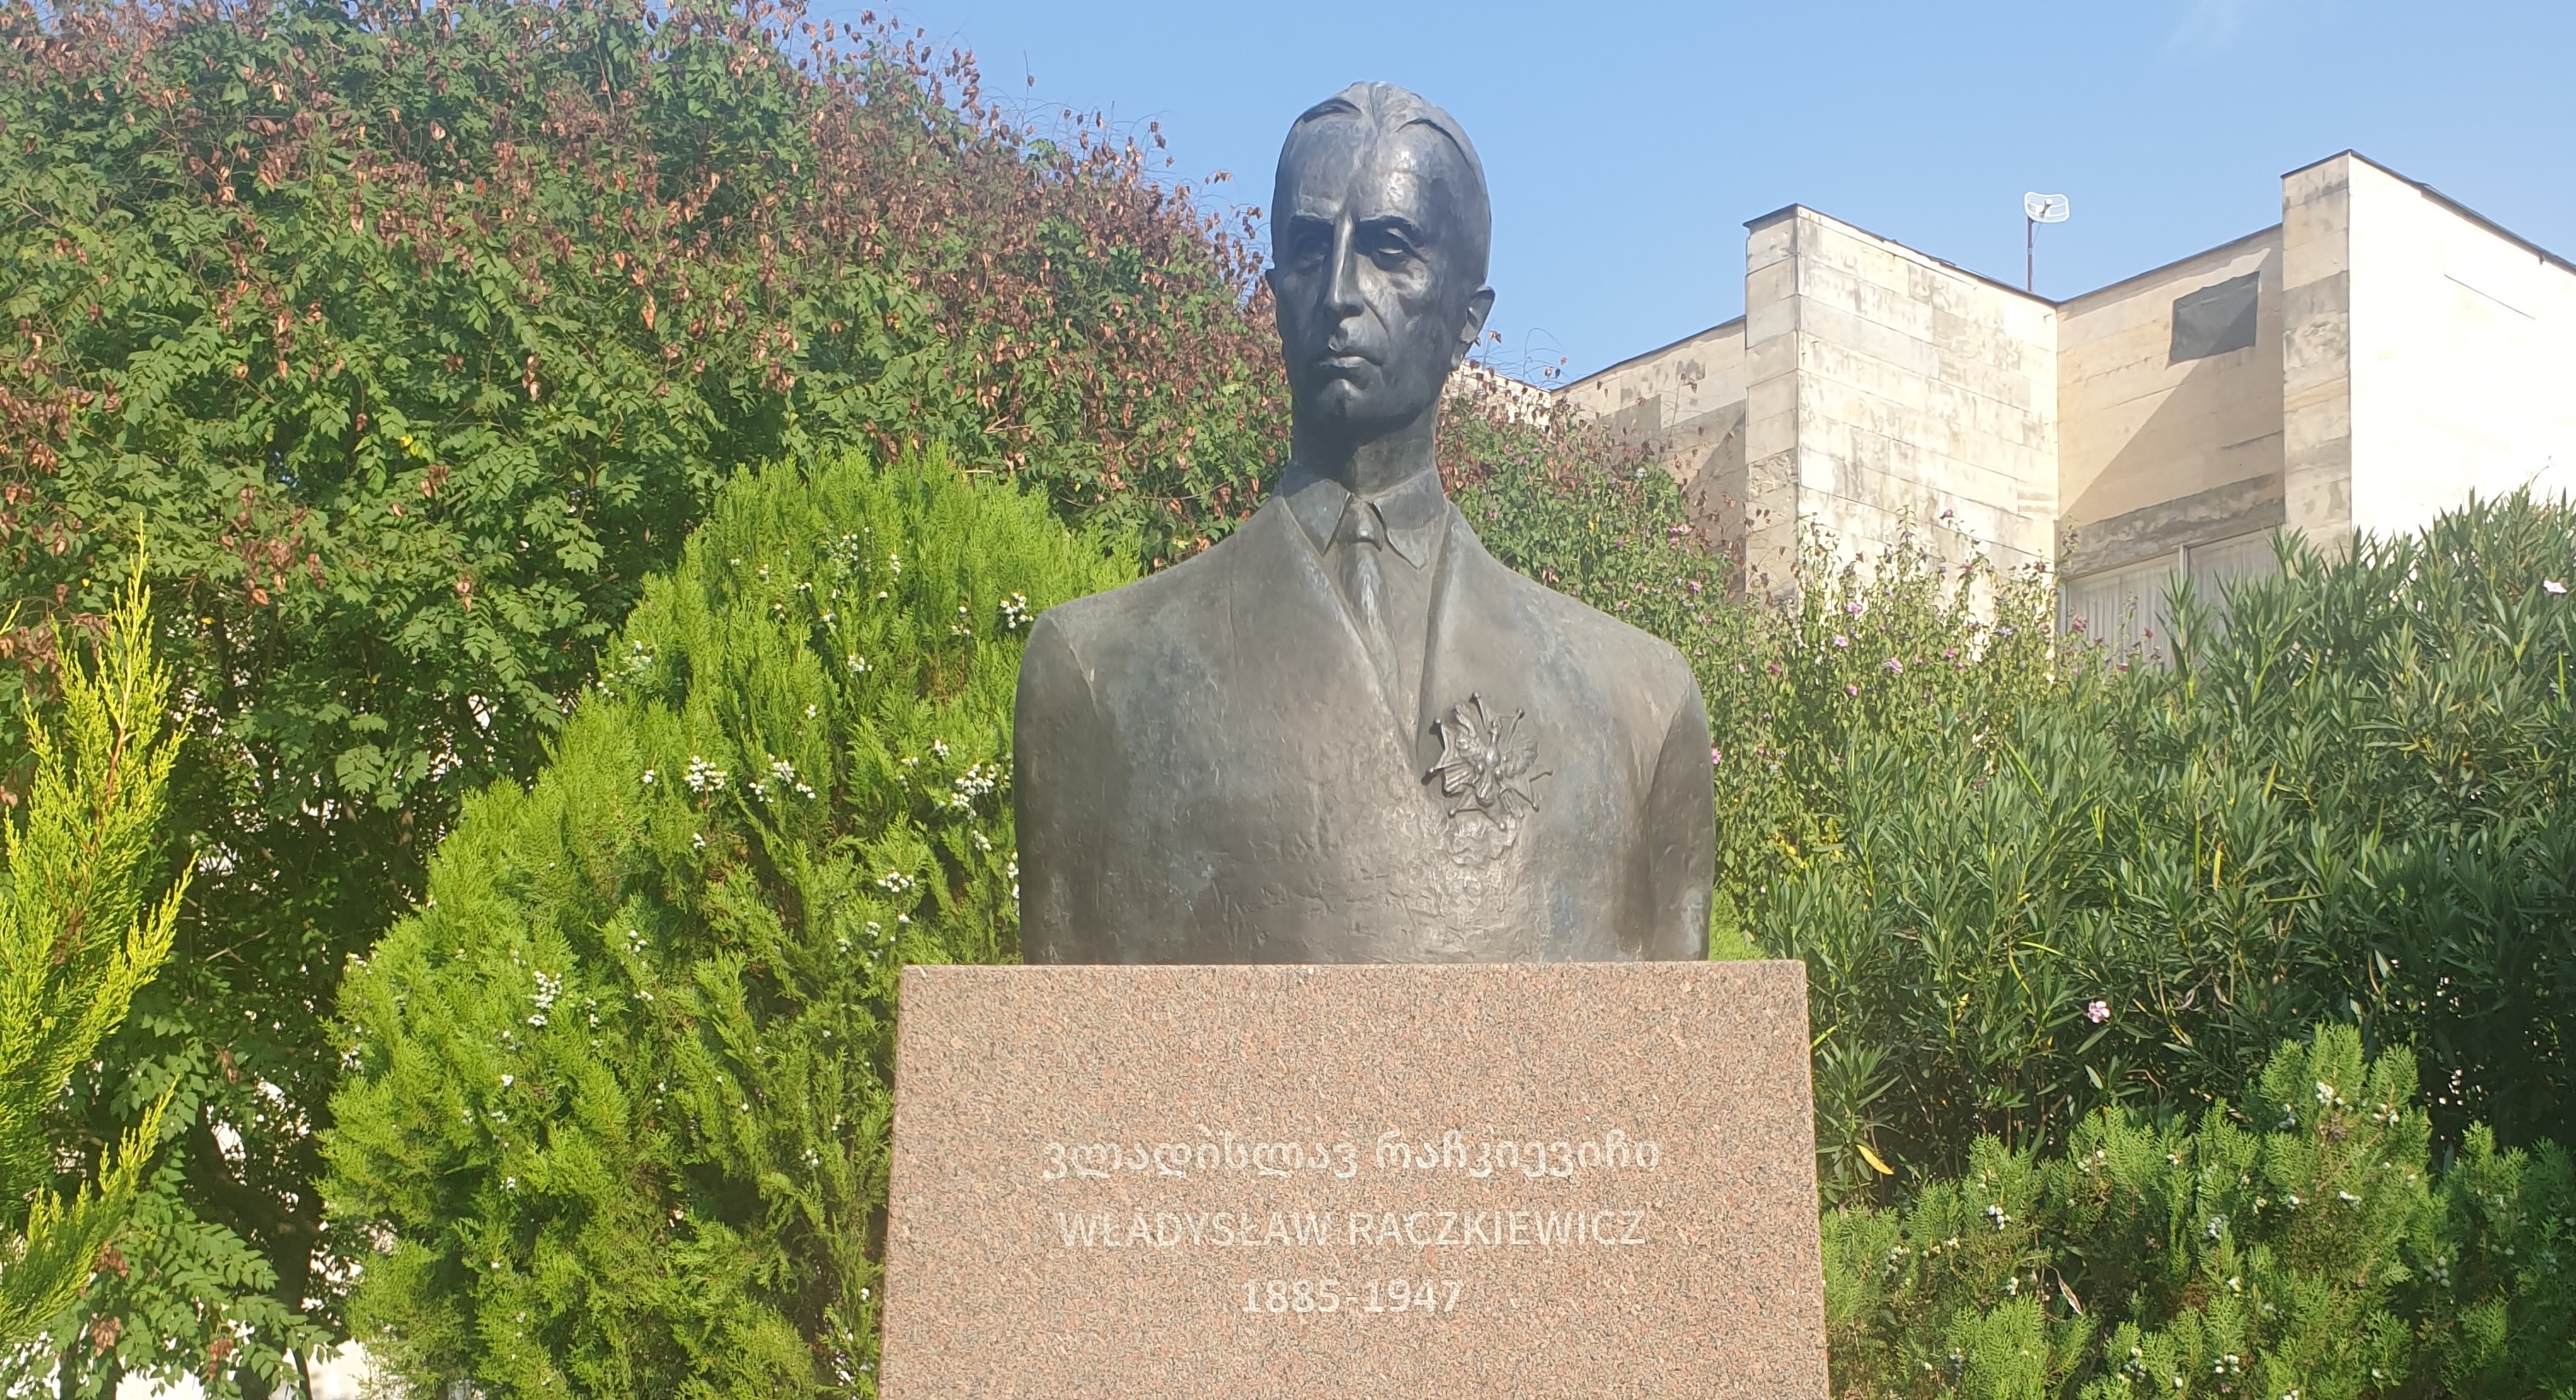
point(1339, 401)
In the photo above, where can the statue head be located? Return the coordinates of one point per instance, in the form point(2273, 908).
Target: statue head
point(1379, 232)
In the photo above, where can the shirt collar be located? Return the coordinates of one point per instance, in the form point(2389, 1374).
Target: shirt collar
point(1413, 510)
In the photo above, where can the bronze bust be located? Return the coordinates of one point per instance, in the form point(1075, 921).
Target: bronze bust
point(1345, 733)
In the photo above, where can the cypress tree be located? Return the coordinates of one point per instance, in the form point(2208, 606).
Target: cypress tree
point(78, 937)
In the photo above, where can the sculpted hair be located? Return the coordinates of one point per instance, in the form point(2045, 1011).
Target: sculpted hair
point(1388, 110)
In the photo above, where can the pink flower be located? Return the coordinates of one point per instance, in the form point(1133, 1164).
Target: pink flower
point(1715, 758)
point(1893, 666)
point(1851, 690)
point(1841, 641)
point(2097, 1011)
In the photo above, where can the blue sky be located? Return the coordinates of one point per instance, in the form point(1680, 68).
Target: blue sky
point(1628, 143)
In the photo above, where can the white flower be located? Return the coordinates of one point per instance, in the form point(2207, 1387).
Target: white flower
point(894, 882)
point(704, 776)
point(975, 782)
point(2551, 585)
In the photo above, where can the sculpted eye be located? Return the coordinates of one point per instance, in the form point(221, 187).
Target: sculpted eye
point(1390, 246)
point(1308, 245)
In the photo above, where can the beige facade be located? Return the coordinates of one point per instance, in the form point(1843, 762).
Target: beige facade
point(2375, 358)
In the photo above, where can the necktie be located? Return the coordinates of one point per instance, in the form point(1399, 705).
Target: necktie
point(1356, 545)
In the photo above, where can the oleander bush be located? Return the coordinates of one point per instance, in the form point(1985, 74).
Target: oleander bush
point(2344, 804)
point(1907, 650)
point(616, 1122)
point(2303, 1240)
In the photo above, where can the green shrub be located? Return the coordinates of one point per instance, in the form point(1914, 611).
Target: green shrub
point(1903, 654)
point(2125, 890)
point(2409, 708)
point(79, 935)
point(2298, 1243)
point(617, 1118)
point(417, 337)
point(1906, 650)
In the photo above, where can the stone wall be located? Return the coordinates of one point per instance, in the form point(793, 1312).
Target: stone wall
point(2165, 444)
point(2463, 343)
point(2376, 358)
point(2316, 348)
point(1884, 387)
point(1685, 403)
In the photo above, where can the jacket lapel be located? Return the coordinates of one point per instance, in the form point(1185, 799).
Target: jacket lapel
point(1289, 623)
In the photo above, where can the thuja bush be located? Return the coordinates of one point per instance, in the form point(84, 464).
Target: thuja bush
point(2341, 805)
point(2303, 1240)
point(416, 337)
point(617, 1119)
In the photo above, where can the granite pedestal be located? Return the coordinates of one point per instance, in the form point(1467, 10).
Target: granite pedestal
point(1239, 1183)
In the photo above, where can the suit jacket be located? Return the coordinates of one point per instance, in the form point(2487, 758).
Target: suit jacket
point(1206, 771)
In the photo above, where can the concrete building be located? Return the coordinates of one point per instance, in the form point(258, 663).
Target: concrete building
point(2375, 358)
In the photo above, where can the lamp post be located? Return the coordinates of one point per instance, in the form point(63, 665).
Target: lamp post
point(2037, 209)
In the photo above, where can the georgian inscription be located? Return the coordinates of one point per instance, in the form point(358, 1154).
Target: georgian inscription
point(1451, 1150)
point(1353, 1199)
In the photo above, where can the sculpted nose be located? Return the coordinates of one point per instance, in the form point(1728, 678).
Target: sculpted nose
point(1342, 284)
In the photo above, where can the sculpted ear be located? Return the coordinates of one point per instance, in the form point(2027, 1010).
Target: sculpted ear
point(1479, 306)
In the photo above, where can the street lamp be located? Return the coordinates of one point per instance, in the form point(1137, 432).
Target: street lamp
point(2037, 209)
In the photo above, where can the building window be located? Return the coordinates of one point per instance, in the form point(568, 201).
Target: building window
point(2216, 319)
